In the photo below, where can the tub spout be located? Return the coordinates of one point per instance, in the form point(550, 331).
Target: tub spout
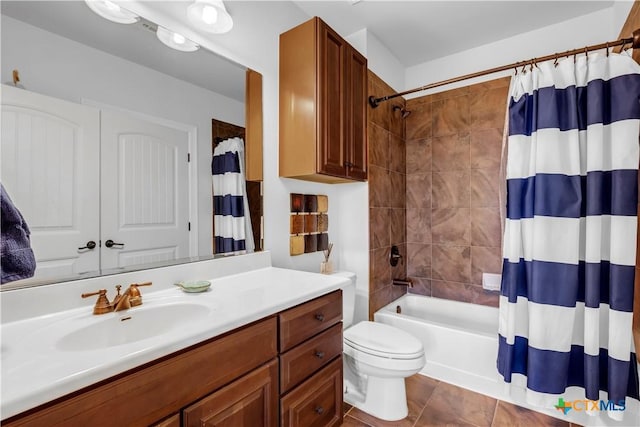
point(403, 282)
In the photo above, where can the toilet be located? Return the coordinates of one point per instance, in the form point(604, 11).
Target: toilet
point(377, 359)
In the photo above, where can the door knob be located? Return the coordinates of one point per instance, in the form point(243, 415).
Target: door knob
point(110, 243)
point(90, 245)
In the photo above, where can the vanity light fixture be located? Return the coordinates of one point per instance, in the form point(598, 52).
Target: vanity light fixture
point(111, 11)
point(175, 40)
point(210, 16)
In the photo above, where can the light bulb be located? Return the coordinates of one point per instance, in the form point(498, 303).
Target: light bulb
point(209, 15)
point(112, 6)
point(178, 38)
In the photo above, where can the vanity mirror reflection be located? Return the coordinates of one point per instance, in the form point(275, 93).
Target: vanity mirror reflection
point(108, 138)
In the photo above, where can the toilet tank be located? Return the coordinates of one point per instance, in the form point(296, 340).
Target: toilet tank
point(348, 297)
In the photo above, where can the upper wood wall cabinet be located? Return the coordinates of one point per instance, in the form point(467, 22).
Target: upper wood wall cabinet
point(323, 100)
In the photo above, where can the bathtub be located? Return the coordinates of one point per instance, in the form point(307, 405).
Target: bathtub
point(461, 347)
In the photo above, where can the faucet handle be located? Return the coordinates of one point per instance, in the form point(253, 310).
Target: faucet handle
point(102, 304)
point(134, 293)
point(116, 299)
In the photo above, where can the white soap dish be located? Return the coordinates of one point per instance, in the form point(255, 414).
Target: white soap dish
point(194, 286)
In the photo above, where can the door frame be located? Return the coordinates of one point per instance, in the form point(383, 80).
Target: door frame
point(192, 135)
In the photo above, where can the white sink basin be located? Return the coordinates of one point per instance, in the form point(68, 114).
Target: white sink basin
point(132, 325)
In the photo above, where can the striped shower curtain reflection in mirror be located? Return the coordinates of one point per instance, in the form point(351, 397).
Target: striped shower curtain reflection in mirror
point(232, 226)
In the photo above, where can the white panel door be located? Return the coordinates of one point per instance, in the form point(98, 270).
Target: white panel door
point(50, 169)
point(145, 194)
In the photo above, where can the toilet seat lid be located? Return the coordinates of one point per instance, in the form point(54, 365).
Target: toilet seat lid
point(383, 340)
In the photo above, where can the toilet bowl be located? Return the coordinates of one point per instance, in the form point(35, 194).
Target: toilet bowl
point(380, 357)
point(377, 358)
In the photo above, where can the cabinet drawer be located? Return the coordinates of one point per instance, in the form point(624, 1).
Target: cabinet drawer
point(317, 402)
point(306, 320)
point(302, 361)
point(248, 402)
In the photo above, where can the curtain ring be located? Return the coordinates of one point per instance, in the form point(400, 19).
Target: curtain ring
point(586, 51)
point(555, 63)
point(524, 69)
point(607, 49)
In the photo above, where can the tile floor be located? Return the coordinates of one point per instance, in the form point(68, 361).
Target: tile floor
point(435, 403)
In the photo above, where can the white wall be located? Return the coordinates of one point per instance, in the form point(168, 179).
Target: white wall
point(594, 28)
point(62, 68)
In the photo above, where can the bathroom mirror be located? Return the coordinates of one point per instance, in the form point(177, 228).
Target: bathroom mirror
point(88, 78)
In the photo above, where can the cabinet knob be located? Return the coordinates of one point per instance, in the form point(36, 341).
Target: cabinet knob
point(348, 164)
point(320, 317)
point(319, 410)
point(319, 354)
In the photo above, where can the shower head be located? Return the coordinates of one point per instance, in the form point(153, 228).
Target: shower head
point(404, 112)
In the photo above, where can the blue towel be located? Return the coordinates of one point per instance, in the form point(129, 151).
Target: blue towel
point(17, 260)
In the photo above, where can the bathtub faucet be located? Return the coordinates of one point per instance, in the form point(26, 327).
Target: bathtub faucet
point(403, 282)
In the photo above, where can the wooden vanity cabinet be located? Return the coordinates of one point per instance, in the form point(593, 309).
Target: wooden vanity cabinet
point(311, 363)
point(285, 369)
point(323, 106)
point(148, 394)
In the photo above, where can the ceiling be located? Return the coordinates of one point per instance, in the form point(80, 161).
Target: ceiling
point(420, 31)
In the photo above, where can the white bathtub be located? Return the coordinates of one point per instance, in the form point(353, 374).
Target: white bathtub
point(461, 346)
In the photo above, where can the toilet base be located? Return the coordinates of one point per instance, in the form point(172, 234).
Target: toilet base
point(386, 398)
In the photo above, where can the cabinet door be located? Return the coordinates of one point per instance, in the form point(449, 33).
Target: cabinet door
point(250, 401)
point(173, 421)
point(316, 402)
point(331, 102)
point(356, 115)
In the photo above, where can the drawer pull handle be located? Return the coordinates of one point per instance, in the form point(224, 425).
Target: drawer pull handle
point(319, 354)
point(320, 317)
point(319, 410)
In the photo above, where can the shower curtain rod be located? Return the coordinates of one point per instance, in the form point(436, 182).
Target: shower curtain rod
point(634, 41)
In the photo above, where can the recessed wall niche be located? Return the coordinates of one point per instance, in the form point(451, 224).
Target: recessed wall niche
point(309, 223)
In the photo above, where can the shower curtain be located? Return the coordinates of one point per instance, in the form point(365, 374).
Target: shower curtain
point(232, 225)
point(566, 301)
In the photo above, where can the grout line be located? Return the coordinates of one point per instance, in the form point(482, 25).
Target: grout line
point(495, 411)
point(427, 403)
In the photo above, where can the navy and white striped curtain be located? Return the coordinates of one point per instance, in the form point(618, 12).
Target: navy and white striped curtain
point(566, 301)
point(232, 224)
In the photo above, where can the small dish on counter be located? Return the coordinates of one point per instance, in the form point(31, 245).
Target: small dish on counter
point(194, 286)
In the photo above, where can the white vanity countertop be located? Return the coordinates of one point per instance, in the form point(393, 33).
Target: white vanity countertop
point(35, 370)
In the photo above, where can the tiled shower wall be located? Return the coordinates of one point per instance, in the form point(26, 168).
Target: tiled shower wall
point(452, 175)
point(387, 181)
